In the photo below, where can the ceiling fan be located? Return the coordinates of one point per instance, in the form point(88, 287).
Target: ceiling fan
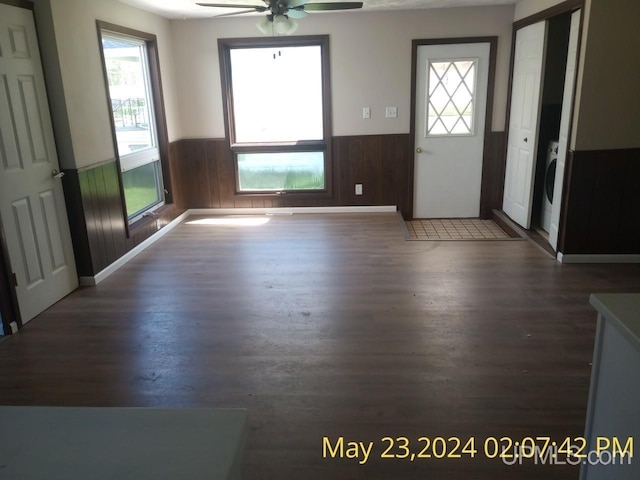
point(281, 12)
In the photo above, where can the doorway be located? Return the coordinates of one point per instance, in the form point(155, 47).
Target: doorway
point(452, 92)
point(541, 107)
point(555, 66)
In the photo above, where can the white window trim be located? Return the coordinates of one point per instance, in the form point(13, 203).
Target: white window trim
point(473, 132)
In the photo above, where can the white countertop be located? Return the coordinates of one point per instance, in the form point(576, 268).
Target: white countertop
point(622, 310)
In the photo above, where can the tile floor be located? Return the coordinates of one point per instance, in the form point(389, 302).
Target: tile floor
point(455, 229)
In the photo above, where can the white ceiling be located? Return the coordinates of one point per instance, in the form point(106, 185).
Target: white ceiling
point(189, 9)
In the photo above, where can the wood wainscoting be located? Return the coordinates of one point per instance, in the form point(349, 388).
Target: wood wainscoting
point(203, 175)
point(97, 221)
point(493, 170)
point(601, 203)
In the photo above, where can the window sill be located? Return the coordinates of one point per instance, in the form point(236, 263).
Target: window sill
point(271, 195)
point(162, 213)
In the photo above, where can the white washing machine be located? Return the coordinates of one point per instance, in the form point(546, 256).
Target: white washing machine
point(549, 183)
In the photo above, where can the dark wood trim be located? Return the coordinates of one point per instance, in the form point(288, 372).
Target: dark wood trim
point(9, 309)
point(153, 60)
point(162, 131)
point(492, 175)
point(18, 3)
point(485, 207)
point(564, 7)
point(115, 28)
point(565, 179)
point(303, 146)
point(224, 47)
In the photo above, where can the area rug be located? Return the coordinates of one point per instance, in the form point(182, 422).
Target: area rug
point(455, 229)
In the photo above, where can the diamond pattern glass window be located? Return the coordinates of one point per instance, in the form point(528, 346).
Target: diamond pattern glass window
point(451, 97)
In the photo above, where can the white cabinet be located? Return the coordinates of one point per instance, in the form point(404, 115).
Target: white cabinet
point(613, 412)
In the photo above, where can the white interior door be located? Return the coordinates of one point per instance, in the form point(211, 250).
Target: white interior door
point(31, 199)
point(451, 103)
point(563, 143)
point(522, 145)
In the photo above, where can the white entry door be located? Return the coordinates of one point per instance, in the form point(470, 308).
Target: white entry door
point(522, 145)
point(451, 103)
point(567, 109)
point(31, 199)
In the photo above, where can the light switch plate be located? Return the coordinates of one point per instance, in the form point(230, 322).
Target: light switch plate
point(392, 112)
point(366, 112)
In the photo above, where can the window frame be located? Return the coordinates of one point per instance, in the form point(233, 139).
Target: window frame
point(156, 97)
point(473, 130)
point(225, 45)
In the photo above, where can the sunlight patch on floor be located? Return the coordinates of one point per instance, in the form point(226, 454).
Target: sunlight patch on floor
point(230, 221)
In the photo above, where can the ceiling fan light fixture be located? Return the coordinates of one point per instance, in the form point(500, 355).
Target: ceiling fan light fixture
point(265, 25)
point(281, 13)
point(282, 25)
point(293, 26)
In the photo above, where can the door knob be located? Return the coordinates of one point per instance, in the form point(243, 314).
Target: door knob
point(57, 174)
point(419, 150)
point(526, 139)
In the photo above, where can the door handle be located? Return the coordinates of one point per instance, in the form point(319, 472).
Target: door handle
point(419, 150)
point(526, 139)
point(57, 174)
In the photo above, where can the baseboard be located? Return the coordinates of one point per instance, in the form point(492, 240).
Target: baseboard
point(598, 258)
point(102, 274)
point(291, 210)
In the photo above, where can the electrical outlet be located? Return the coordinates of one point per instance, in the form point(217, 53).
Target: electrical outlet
point(366, 112)
point(392, 112)
point(358, 189)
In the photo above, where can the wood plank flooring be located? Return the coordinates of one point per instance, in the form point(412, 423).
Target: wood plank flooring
point(331, 325)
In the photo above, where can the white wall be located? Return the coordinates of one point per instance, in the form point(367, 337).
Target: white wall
point(526, 8)
point(609, 103)
point(370, 63)
point(74, 24)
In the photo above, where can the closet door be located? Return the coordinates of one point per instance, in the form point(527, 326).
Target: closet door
point(567, 109)
point(523, 122)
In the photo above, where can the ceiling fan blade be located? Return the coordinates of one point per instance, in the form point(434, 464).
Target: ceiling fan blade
point(332, 6)
point(253, 10)
point(229, 5)
point(296, 13)
point(296, 3)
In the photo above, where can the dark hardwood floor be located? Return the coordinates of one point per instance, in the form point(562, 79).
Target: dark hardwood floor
point(331, 325)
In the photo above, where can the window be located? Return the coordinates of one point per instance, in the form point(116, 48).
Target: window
point(278, 113)
point(451, 97)
point(126, 67)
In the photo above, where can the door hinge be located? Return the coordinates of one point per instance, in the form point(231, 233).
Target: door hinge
point(15, 279)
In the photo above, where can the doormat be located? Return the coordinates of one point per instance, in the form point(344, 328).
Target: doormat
point(455, 229)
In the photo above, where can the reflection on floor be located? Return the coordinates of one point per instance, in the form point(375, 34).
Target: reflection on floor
point(332, 326)
point(455, 229)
